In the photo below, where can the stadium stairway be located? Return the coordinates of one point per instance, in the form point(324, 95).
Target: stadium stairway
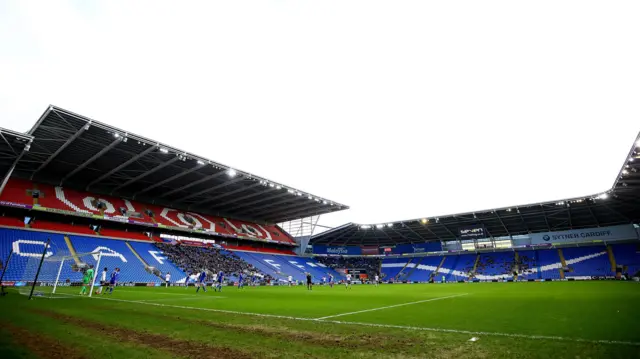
point(136, 254)
point(537, 257)
point(413, 269)
point(155, 257)
point(612, 258)
point(449, 272)
point(72, 250)
point(434, 274)
point(475, 266)
point(397, 277)
point(563, 262)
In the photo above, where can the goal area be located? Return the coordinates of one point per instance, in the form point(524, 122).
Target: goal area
point(38, 273)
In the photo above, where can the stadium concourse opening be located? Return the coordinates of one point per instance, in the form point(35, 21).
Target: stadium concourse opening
point(148, 247)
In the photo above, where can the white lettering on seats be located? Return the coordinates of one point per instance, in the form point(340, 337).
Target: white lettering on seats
point(16, 248)
point(272, 262)
point(61, 197)
point(108, 252)
point(157, 256)
point(297, 265)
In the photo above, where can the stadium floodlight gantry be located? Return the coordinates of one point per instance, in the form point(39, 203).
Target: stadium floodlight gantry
point(67, 149)
point(618, 205)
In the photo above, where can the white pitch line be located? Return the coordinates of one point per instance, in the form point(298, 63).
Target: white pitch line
point(391, 306)
point(183, 298)
point(440, 330)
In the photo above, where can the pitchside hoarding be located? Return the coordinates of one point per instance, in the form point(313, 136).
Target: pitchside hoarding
point(614, 233)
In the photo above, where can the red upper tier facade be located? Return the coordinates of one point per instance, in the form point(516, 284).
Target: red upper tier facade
point(20, 193)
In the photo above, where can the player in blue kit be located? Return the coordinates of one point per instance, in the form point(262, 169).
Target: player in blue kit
point(114, 279)
point(219, 284)
point(201, 282)
point(240, 281)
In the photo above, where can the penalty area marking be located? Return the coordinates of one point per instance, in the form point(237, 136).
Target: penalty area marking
point(426, 329)
point(391, 306)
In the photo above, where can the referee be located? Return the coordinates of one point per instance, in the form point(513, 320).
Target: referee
point(309, 282)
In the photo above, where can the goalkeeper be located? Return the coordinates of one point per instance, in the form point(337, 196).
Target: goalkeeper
point(86, 279)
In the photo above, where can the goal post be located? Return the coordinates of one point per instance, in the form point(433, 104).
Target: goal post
point(55, 276)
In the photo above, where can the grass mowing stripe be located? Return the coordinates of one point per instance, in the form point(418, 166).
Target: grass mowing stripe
point(391, 306)
point(441, 330)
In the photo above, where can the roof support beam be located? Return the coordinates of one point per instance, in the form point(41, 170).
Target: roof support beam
point(259, 201)
point(269, 208)
point(155, 169)
point(210, 189)
point(544, 214)
point(238, 199)
point(503, 225)
point(204, 179)
point(210, 199)
point(121, 166)
point(60, 149)
point(407, 238)
point(414, 232)
point(595, 219)
point(292, 211)
point(90, 160)
point(7, 175)
point(348, 231)
point(167, 180)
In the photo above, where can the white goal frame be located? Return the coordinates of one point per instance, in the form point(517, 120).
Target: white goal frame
point(64, 258)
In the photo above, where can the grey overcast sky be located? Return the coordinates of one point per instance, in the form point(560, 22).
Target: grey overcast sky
point(400, 109)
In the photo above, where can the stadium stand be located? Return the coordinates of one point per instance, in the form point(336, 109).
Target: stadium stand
point(495, 265)
point(424, 269)
point(370, 265)
point(587, 261)
point(115, 253)
point(155, 257)
point(628, 255)
point(64, 200)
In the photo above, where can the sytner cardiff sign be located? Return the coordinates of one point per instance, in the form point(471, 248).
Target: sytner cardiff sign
point(614, 233)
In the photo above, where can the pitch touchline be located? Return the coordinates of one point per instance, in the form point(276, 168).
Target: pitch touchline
point(391, 306)
point(440, 330)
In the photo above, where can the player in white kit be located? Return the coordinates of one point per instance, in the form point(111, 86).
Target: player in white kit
point(167, 279)
point(347, 284)
point(290, 281)
point(376, 280)
point(103, 280)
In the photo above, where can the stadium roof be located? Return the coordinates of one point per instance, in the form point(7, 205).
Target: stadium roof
point(71, 150)
point(619, 205)
point(13, 146)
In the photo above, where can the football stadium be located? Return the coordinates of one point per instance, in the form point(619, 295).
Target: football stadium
point(116, 245)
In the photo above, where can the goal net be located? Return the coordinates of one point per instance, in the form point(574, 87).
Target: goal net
point(51, 271)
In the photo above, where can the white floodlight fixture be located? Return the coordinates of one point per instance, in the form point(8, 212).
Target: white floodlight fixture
point(437, 220)
point(625, 172)
point(638, 143)
point(164, 150)
point(631, 159)
point(116, 135)
point(299, 194)
point(508, 209)
point(603, 196)
point(324, 202)
point(379, 226)
point(231, 172)
point(365, 226)
point(200, 162)
point(278, 187)
point(424, 221)
point(271, 185)
point(290, 190)
point(389, 224)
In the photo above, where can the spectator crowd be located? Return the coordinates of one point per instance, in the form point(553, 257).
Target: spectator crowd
point(371, 265)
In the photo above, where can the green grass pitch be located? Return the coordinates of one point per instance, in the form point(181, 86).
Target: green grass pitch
point(509, 320)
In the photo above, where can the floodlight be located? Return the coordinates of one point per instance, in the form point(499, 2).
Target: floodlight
point(365, 226)
point(200, 162)
point(379, 226)
point(424, 221)
point(389, 224)
point(631, 159)
point(310, 197)
point(603, 196)
point(271, 185)
point(625, 172)
point(116, 135)
point(278, 187)
point(324, 202)
point(164, 150)
point(231, 172)
point(290, 190)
